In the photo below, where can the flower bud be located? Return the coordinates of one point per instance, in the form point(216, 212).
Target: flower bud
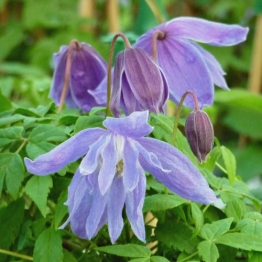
point(200, 134)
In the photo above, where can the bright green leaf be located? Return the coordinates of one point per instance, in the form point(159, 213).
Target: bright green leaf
point(10, 119)
point(48, 247)
point(128, 250)
point(84, 122)
point(37, 189)
point(254, 256)
point(68, 256)
point(158, 259)
point(230, 163)
point(208, 251)
point(235, 209)
point(61, 209)
point(162, 202)
point(198, 217)
point(9, 134)
point(250, 226)
point(5, 103)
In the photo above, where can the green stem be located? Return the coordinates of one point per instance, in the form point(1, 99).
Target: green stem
point(155, 10)
point(186, 258)
point(109, 68)
point(222, 168)
point(10, 253)
point(205, 209)
point(178, 111)
point(21, 146)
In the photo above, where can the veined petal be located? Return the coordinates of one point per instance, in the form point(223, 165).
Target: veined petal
point(108, 169)
point(204, 31)
point(65, 153)
point(134, 204)
point(184, 178)
point(134, 125)
point(115, 204)
point(131, 165)
point(185, 70)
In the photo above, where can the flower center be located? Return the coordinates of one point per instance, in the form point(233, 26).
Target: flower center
point(119, 168)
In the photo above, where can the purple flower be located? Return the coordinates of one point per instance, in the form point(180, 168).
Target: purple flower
point(111, 174)
point(88, 69)
point(186, 65)
point(138, 83)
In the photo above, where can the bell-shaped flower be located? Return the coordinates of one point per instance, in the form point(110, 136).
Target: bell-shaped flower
point(111, 174)
point(87, 70)
point(186, 65)
point(138, 83)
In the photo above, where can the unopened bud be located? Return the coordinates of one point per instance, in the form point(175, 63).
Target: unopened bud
point(200, 134)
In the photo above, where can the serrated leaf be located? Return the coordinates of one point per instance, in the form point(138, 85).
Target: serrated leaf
point(235, 209)
point(128, 250)
point(48, 247)
point(84, 122)
point(61, 209)
point(11, 218)
point(9, 134)
point(230, 163)
point(162, 202)
point(208, 251)
point(12, 170)
point(198, 217)
point(37, 188)
point(217, 228)
point(250, 226)
point(240, 240)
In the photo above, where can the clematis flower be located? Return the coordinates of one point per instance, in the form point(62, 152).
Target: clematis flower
point(186, 65)
point(87, 70)
point(111, 174)
point(138, 83)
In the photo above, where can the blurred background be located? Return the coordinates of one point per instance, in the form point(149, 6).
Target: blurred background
point(31, 31)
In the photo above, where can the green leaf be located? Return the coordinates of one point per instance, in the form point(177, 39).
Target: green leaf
point(240, 240)
point(11, 218)
point(235, 209)
point(230, 163)
point(250, 226)
point(140, 260)
point(68, 256)
point(158, 259)
point(48, 247)
point(84, 122)
point(162, 202)
point(128, 250)
point(212, 158)
point(208, 251)
point(254, 256)
point(12, 170)
point(198, 217)
point(37, 189)
point(9, 134)
point(61, 209)
point(217, 228)
point(10, 119)
point(5, 103)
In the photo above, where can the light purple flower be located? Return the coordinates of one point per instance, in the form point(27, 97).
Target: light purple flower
point(138, 83)
point(111, 174)
point(88, 69)
point(186, 65)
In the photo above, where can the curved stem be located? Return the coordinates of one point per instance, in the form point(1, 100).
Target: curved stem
point(179, 111)
point(10, 253)
point(73, 44)
point(109, 68)
point(158, 35)
point(155, 10)
point(21, 146)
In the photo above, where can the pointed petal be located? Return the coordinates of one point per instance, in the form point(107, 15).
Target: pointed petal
point(108, 169)
point(116, 200)
point(65, 153)
point(134, 125)
point(184, 178)
point(185, 70)
point(205, 31)
point(131, 165)
point(134, 204)
point(91, 160)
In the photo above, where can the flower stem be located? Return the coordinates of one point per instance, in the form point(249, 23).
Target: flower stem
point(158, 35)
point(155, 10)
point(74, 44)
point(21, 146)
point(178, 111)
point(109, 68)
point(10, 253)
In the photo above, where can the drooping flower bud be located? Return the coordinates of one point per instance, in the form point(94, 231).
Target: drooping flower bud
point(200, 134)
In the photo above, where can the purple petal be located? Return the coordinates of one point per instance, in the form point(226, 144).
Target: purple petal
point(134, 125)
point(185, 70)
point(65, 153)
point(131, 165)
point(116, 200)
point(205, 31)
point(184, 178)
point(108, 169)
point(134, 204)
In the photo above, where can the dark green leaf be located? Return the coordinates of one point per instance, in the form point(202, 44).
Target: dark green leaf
point(9, 134)
point(68, 256)
point(254, 256)
point(5, 103)
point(162, 202)
point(128, 250)
point(10, 119)
point(158, 259)
point(61, 209)
point(38, 188)
point(84, 122)
point(208, 251)
point(48, 247)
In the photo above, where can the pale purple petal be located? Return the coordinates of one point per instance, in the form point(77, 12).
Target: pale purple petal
point(134, 204)
point(134, 125)
point(204, 31)
point(65, 153)
point(184, 178)
point(108, 169)
point(115, 204)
